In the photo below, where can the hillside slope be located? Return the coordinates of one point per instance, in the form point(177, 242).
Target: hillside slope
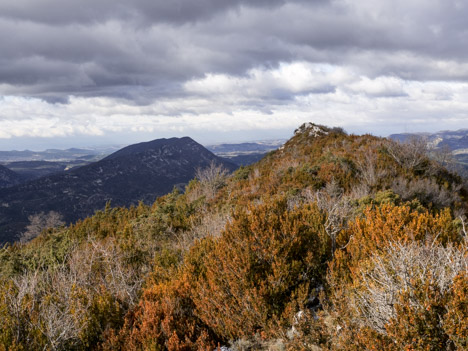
point(30, 170)
point(8, 177)
point(135, 173)
point(332, 242)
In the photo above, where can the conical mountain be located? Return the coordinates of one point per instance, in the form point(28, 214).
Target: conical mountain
point(139, 172)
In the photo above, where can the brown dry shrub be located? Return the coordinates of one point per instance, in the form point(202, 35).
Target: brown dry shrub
point(261, 270)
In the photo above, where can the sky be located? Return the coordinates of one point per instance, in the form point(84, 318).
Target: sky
point(103, 72)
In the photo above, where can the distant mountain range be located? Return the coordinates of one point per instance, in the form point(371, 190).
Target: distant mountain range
point(137, 172)
point(250, 147)
point(92, 154)
point(244, 154)
point(31, 165)
point(29, 170)
point(456, 141)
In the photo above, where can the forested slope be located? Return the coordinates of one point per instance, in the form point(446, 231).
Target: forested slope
point(8, 177)
point(332, 242)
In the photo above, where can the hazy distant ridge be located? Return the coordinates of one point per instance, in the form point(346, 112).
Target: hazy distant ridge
point(456, 140)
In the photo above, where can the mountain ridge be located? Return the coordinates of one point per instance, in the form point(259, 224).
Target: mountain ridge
point(454, 139)
point(247, 261)
point(136, 173)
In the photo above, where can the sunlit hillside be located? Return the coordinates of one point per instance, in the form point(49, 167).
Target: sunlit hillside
point(331, 242)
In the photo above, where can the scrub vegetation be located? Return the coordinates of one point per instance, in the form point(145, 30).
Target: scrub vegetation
point(332, 242)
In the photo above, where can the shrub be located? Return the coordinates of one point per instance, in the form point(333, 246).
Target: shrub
point(262, 269)
point(391, 285)
point(164, 319)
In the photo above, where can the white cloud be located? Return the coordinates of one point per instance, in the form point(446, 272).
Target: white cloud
point(379, 87)
point(224, 66)
point(263, 100)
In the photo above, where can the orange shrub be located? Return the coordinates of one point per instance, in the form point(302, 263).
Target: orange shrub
point(163, 320)
point(262, 269)
point(393, 284)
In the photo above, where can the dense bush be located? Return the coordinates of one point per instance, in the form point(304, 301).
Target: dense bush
point(262, 269)
point(392, 284)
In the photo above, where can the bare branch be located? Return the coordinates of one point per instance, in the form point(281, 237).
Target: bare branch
point(398, 270)
point(39, 222)
point(211, 179)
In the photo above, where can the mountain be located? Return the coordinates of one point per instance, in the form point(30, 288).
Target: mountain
point(56, 154)
point(29, 170)
point(8, 177)
point(251, 147)
point(245, 160)
point(331, 242)
point(243, 154)
point(135, 173)
point(455, 141)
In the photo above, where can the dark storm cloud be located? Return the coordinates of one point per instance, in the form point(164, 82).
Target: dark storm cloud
point(91, 11)
point(144, 49)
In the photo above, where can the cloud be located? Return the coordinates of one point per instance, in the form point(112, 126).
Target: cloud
point(268, 85)
point(379, 87)
point(181, 61)
point(59, 12)
point(106, 46)
point(263, 100)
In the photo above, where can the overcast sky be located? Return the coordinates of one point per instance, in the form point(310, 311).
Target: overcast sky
point(78, 72)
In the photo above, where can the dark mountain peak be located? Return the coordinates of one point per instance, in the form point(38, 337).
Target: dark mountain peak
point(139, 172)
point(157, 144)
